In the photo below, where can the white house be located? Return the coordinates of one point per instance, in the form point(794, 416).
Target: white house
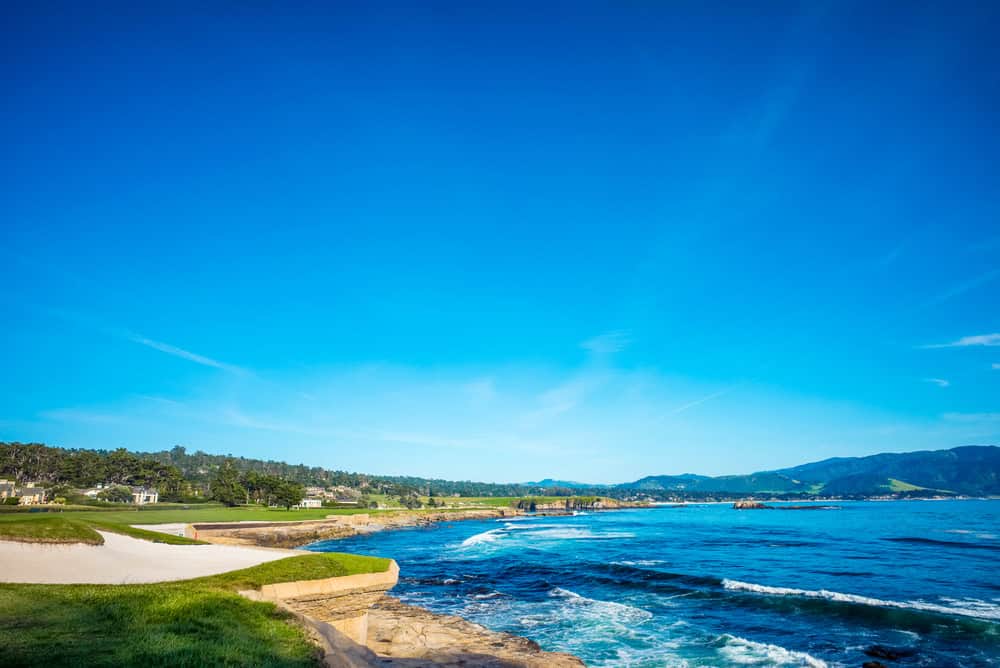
point(143, 495)
point(309, 503)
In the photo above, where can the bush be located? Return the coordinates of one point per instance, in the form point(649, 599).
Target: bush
point(12, 501)
point(117, 494)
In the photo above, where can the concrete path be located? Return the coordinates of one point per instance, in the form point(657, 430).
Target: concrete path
point(124, 560)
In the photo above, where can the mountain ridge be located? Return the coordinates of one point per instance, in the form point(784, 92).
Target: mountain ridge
point(968, 469)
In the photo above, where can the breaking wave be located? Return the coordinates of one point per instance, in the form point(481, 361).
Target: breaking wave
point(743, 652)
point(967, 607)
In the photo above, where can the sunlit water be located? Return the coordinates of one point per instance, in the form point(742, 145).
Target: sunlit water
point(706, 585)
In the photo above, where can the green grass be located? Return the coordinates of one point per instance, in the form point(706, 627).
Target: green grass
point(215, 514)
point(47, 529)
point(142, 534)
point(198, 622)
point(316, 566)
point(75, 528)
point(900, 486)
point(21, 523)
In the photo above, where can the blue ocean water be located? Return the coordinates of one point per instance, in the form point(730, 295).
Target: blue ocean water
point(706, 585)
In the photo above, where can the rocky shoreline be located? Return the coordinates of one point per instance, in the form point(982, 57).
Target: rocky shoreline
point(399, 634)
point(405, 635)
point(297, 534)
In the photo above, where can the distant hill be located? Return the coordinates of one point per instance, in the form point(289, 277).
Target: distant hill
point(971, 469)
point(569, 484)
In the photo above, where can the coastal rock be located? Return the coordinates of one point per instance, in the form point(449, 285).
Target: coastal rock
point(751, 505)
point(405, 635)
point(883, 652)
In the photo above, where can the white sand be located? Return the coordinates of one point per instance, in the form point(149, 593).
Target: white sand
point(124, 560)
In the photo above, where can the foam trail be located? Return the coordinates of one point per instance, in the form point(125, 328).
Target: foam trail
point(967, 608)
point(604, 609)
point(490, 536)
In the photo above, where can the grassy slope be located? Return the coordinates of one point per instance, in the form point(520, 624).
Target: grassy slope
point(72, 527)
point(198, 622)
point(47, 529)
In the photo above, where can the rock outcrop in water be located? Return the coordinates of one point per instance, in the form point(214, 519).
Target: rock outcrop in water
point(406, 635)
point(751, 505)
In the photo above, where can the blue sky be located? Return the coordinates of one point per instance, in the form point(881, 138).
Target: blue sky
point(505, 243)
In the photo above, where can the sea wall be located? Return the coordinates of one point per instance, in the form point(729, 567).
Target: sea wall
point(341, 602)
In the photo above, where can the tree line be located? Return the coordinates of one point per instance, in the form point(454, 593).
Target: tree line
point(219, 479)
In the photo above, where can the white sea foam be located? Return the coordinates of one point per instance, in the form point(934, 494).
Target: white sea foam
point(740, 651)
point(571, 533)
point(608, 610)
point(490, 536)
point(484, 597)
point(639, 562)
point(965, 607)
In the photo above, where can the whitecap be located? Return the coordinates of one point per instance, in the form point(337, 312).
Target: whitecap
point(639, 562)
point(740, 651)
point(490, 536)
point(484, 597)
point(966, 607)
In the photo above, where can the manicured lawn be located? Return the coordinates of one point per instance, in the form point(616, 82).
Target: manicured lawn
point(191, 623)
point(215, 514)
point(47, 529)
point(73, 527)
point(142, 534)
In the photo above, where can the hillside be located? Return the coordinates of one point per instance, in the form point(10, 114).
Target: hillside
point(972, 470)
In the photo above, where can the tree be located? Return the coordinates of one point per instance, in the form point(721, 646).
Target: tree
point(288, 493)
point(116, 494)
point(225, 486)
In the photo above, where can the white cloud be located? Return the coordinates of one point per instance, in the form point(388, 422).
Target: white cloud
point(607, 343)
point(996, 366)
point(940, 382)
point(184, 354)
point(965, 341)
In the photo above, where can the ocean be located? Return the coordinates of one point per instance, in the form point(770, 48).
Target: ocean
point(707, 585)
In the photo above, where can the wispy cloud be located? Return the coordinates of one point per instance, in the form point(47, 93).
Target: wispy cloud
point(94, 322)
point(961, 288)
point(940, 382)
point(996, 366)
point(609, 342)
point(978, 340)
point(698, 402)
point(184, 354)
